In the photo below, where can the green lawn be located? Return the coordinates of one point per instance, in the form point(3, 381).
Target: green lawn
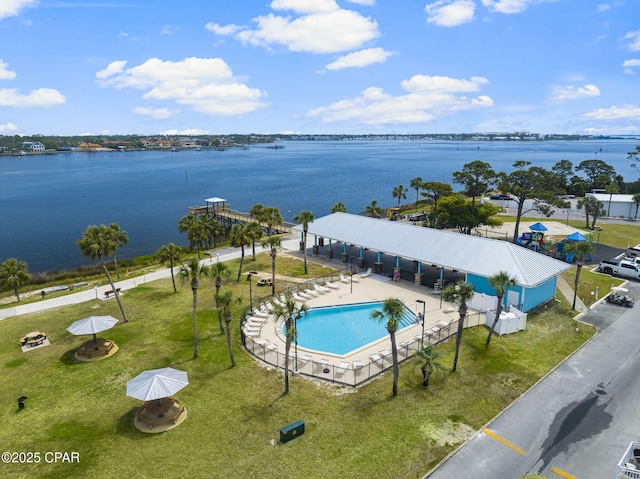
point(234, 413)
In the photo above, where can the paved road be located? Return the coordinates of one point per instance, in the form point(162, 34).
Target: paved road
point(575, 423)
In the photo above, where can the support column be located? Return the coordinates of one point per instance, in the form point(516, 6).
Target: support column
point(345, 255)
point(417, 278)
point(378, 264)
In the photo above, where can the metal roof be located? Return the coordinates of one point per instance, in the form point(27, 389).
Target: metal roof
point(472, 254)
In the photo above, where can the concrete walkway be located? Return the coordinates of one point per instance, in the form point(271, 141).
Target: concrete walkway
point(567, 292)
point(225, 254)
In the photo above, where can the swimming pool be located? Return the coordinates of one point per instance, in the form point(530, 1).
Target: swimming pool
point(341, 329)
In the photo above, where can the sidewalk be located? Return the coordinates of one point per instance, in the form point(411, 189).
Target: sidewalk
point(567, 292)
point(124, 285)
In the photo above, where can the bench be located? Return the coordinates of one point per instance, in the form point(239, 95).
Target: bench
point(110, 292)
point(172, 416)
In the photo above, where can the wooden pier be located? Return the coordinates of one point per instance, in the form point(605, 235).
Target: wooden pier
point(228, 217)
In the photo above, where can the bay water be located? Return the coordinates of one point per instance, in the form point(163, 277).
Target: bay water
point(47, 201)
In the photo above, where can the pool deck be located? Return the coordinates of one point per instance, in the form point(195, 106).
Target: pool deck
point(372, 288)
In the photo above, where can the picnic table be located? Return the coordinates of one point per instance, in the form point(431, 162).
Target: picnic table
point(34, 338)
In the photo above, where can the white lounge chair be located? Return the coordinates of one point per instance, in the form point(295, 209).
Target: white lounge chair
point(312, 293)
point(272, 347)
point(323, 362)
point(297, 297)
point(344, 279)
point(366, 273)
point(357, 365)
point(376, 358)
point(277, 302)
point(283, 298)
point(263, 343)
point(304, 295)
point(257, 312)
point(342, 367)
point(384, 353)
point(304, 359)
point(331, 285)
point(269, 306)
point(251, 333)
point(320, 289)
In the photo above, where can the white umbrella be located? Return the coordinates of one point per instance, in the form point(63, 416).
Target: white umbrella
point(92, 325)
point(156, 384)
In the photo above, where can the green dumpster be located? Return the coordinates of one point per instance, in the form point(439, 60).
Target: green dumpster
point(291, 431)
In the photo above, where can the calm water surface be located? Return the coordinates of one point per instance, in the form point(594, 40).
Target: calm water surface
point(47, 201)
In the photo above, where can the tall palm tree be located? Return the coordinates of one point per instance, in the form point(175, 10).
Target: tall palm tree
point(612, 188)
point(458, 293)
point(501, 282)
point(272, 217)
point(374, 209)
point(120, 238)
point(391, 315)
point(288, 312)
point(255, 234)
point(305, 217)
point(591, 205)
point(416, 184)
point(218, 271)
point(400, 192)
point(224, 302)
point(273, 243)
point(636, 200)
point(582, 250)
point(339, 207)
point(97, 243)
point(427, 359)
point(193, 272)
point(185, 225)
point(13, 274)
point(171, 254)
point(240, 236)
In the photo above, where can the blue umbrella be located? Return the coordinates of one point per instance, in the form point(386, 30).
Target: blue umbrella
point(538, 227)
point(576, 237)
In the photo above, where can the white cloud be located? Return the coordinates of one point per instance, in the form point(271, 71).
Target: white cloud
point(4, 73)
point(507, 6)
point(42, 97)
point(206, 85)
point(569, 92)
point(112, 69)
point(450, 13)
point(603, 7)
point(158, 113)
point(615, 113)
point(633, 38)
point(360, 59)
point(321, 27)
point(629, 66)
point(8, 128)
point(187, 132)
point(367, 3)
point(169, 30)
point(11, 8)
point(427, 98)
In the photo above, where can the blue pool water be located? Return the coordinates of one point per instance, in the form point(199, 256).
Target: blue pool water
point(341, 329)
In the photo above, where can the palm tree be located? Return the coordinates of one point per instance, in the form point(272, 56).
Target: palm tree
point(339, 207)
point(171, 254)
point(582, 249)
point(391, 314)
point(416, 184)
point(374, 209)
point(218, 271)
point(289, 311)
point(427, 359)
point(458, 293)
point(273, 243)
point(305, 217)
point(13, 274)
point(501, 282)
point(255, 234)
point(400, 192)
point(193, 271)
point(120, 239)
point(224, 302)
point(272, 217)
point(185, 225)
point(591, 205)
point(636, 200)
point(97, 242)
point(240, 236)
point(611, 188)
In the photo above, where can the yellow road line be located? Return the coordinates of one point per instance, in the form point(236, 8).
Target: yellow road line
point(561, 473)
point(504, 441)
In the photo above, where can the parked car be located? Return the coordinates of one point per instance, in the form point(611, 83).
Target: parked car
point(417, 216)
point(620, 296)
point(500, 197)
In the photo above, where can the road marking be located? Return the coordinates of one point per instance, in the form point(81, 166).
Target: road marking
point(561, 473)
point(504, 441)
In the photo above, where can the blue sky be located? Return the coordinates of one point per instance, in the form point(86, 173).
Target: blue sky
point(319, 66)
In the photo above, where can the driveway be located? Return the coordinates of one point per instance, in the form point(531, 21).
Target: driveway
point(576, 422)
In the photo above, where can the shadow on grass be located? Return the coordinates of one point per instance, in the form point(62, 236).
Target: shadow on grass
point(125, 427)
